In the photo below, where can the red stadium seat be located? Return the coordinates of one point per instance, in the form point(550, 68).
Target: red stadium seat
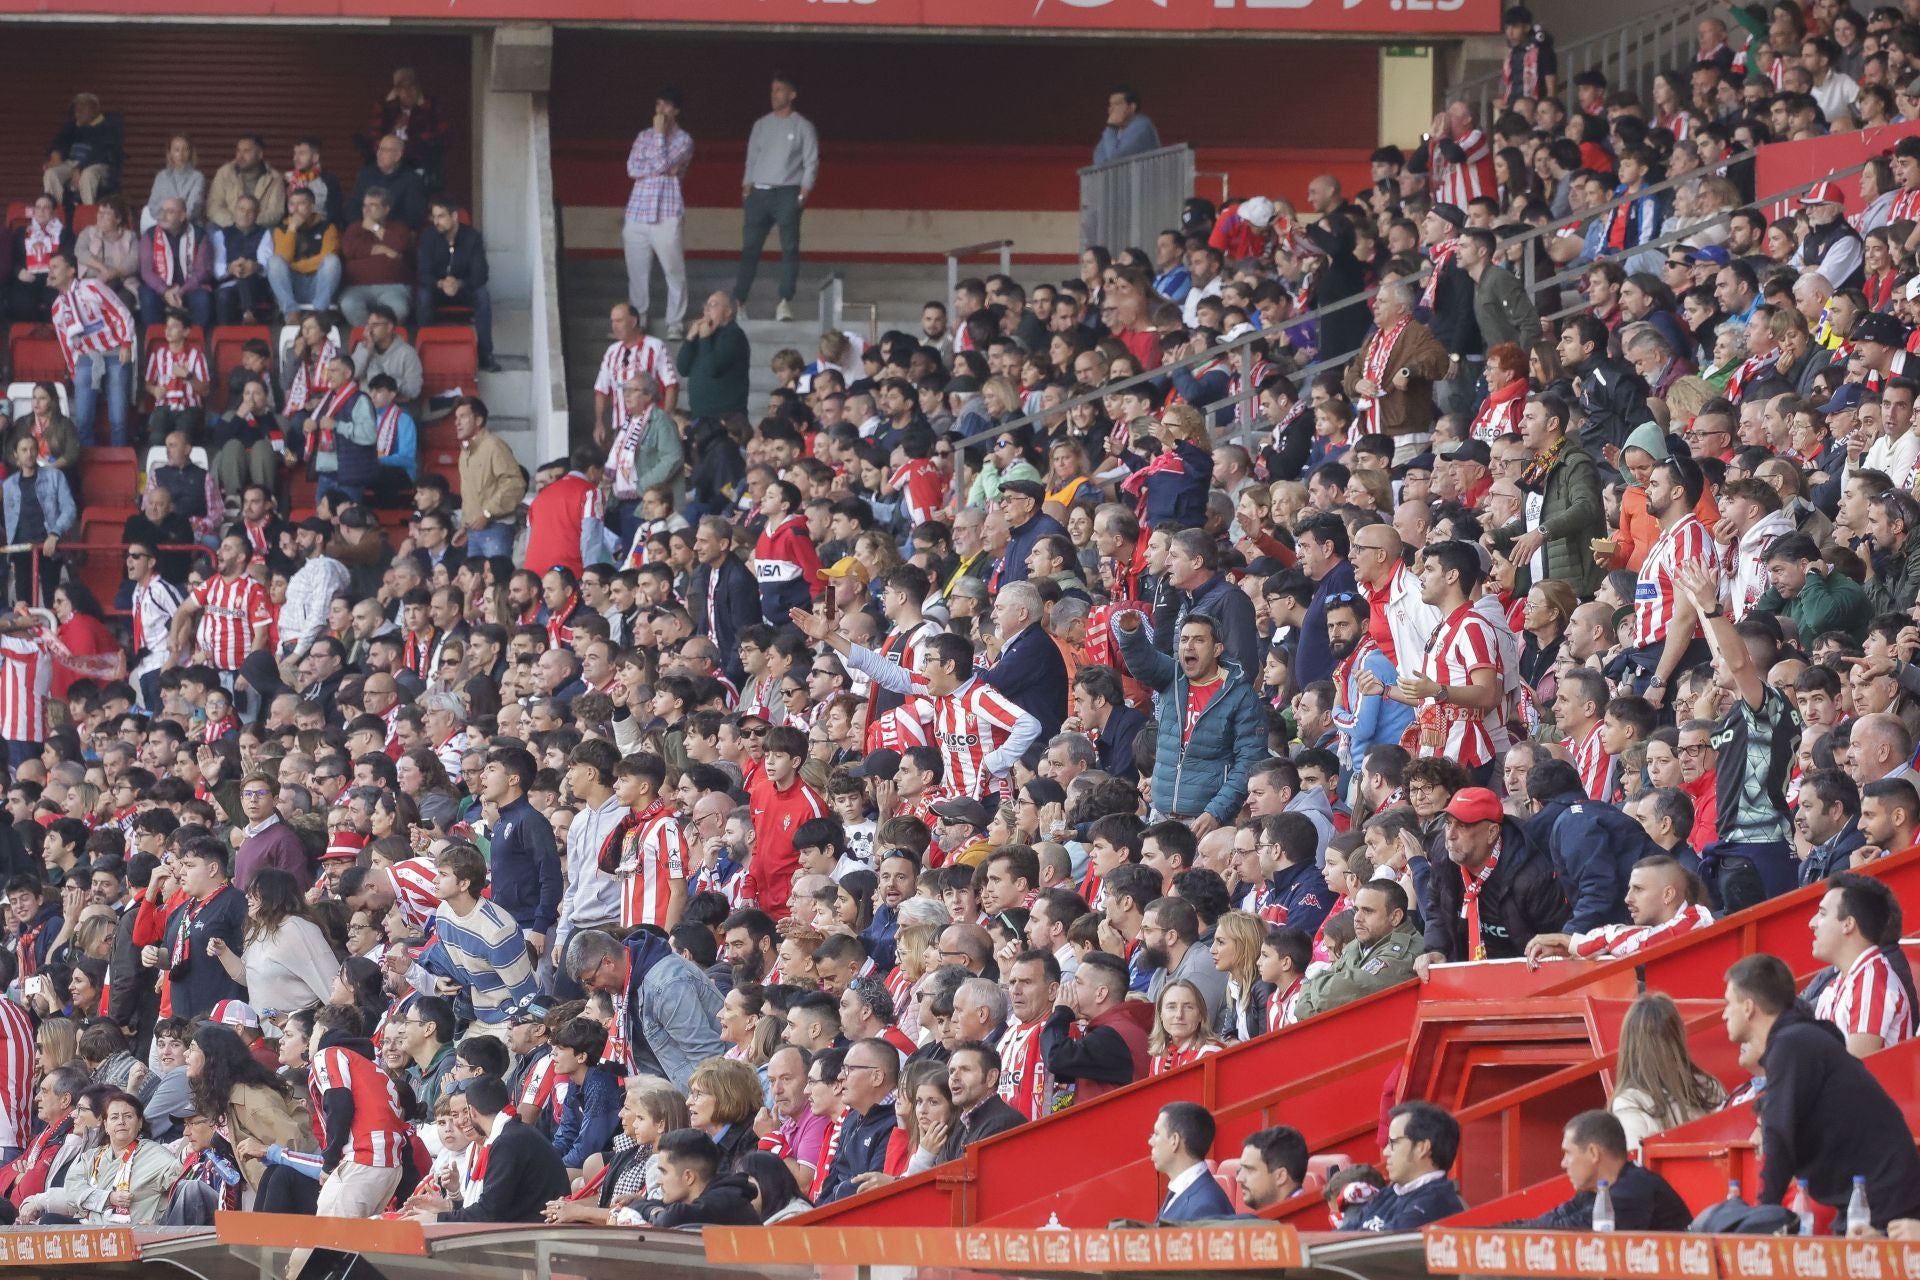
point(228, 340)
point(84, 216)
point(157, 335)
point(103, 565)
point(18, 214)
point(34, 354)
point(449, 359)
point(109, 477)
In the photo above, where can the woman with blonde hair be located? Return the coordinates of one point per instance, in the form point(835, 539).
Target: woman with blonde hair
point(1181, 1029)
point(1237, 939)
point(1656, 1084)
point(1371, 489)
point(914, 944)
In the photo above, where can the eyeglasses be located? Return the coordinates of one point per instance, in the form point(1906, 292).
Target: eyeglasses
point(254, 793)
point(138, 555)
point(1693, 749)
point(851, 1067)
point(753, 733)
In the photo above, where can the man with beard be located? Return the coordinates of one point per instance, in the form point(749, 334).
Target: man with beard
point(1363, 715)
point(1665, 630)
point(321, 671)
point(752, 945)
point(310, 592)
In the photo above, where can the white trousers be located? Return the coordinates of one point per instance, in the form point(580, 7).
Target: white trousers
point(644, 241)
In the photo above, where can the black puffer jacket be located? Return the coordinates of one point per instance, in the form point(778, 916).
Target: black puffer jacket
point(1522, 898)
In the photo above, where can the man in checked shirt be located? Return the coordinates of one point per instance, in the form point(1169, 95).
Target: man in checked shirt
point(655, 210)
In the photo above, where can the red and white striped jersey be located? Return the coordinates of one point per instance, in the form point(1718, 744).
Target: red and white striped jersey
point(1461, 645)
point(653, 856)
point(414, 893)
point(536, 1087)
point(89, 319)
point(16, 1075)
point(1654, 596)
point(26, 673)
point(231, 610)
point(969, 724)
point(1616, 940)
point(1868, 1000)
point(379, 1133)
point(1024, 1082)
point(1595, 765)
point(621, 362)
point(1456, 184)
point(170, 371)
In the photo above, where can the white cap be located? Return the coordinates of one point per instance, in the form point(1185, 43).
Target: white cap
point(1257, 211)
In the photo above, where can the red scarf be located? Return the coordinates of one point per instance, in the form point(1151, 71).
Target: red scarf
point(1375, 368)
point(162, 253)
point(331, 408)
point(1167, 462)
point(1470, 908)
point(1440, 255)
point(1529, 70)
point(559, 634)
point(307, 384)
point(1879, 290)
point(416, 651)
point(387, 433)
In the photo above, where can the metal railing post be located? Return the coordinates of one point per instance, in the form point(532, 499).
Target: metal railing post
point(953, 276)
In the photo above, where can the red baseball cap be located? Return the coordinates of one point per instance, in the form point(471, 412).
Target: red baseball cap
point(1823, 193)
point(344, 846)
point(1475, 804)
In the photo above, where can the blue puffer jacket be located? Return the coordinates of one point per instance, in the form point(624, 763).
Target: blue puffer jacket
point(1208, 773)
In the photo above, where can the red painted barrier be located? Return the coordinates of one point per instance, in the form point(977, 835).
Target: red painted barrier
point(1789, 164)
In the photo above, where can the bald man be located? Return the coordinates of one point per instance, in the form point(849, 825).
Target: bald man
point(1400, 620)
point(1661, 902)
point(1589, 631)
point(968, 946)
point(1880, 748)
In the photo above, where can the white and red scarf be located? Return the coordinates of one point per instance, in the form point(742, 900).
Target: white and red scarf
point(331, 407)
point(1440, 255)
point(42, 242)
point(1384, 341)
point(161, 250)
point(387, 433)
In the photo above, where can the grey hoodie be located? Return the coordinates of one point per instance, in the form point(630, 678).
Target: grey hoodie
point(1318, 809)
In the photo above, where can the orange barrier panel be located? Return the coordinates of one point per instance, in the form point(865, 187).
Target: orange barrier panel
point(1645, 1255)
point(65, 1245)
point(1249, 1247)
point(297, 1231)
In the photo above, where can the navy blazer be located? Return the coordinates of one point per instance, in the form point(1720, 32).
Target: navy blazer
point(1033, 675)
point(1203, 1200)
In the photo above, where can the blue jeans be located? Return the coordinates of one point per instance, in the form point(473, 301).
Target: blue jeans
point(198, 304)
point(294, 291)
point(426, 299)
point(119, 380)
point(494, 540)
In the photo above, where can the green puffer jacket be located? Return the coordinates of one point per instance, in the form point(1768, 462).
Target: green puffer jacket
point(1573, 516)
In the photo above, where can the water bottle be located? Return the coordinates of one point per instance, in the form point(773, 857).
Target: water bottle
point(1858, 1215)
point(1802, 1206)
point(1054, 1223)
point(1602, 1207)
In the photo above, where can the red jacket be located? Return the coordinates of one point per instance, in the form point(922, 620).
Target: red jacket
point(1130, 1019)
point(554, 522)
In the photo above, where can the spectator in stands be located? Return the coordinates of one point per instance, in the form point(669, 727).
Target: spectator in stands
point(783, 161)
point(1824, 1117)
point(304, 271)
point(95, 332)
point(1273, 1165)
point(453, 271)
point(1594, 1154)
point(1128, 130)
point(1385, 946)
point(973, 1079)
point(53, 433)
point(491, 481)
point(400, 185)
point(563, 521)
point(1660, 903)
point(195, 492)
point(655, 211)
point(309, 175)
point(181, 178)
point(1200, 769)
point(1656, 1085)
point(409, 114)
point(1422, 1140)
point(1515, 894)
point(871, 1071)
point(1864, 995)
point(518, 1171)
point(247, 174)
point(35, 243)
point(693, 1191)
point(109, 251)
point(1112, 1050)
point(1181, 1138)
point(177, 381)
point(241, 250)
point(84, 161)
point(244, 440)
point(396, 447)
point(715, 361)
point(156, 524)
point(376, 259)
point(39, 509)
point(384, 351)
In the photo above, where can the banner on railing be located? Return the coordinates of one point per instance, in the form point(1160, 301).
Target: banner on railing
point(61, 1246)
point(1614, 1255)
point(1266, 1246)
point(1383, 17)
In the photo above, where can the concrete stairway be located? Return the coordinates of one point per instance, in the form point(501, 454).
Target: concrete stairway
point(590, 286)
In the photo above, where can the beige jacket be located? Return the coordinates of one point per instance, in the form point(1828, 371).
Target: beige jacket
point(270, 189)
point(491, 482)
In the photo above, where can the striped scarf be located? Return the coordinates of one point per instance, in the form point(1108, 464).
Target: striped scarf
point(170, 269)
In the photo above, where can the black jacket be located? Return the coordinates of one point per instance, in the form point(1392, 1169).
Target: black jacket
point(719, 614)
point(1642, 1201)
point(524, 1173)
point(1392, 1211)
point(990, 1117)
point(863, 1149)
point(727, 1202)
point(1521, 899)
point(1825, 1118)
point(406, 196)
point(1453, 320)
point(465, 258)
point(1033, 676)
point(1614, 399)
point(1835, 855)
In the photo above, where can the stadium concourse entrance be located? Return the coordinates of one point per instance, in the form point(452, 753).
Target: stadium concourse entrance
point(977, 138)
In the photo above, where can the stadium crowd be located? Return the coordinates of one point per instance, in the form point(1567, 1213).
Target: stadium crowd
point(730, 818)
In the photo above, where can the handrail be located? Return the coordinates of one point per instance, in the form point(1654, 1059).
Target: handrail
point(1003, 247)
point(833, 301)
point(1609, 45)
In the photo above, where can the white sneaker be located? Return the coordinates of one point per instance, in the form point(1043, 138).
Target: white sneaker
point(783, 312)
